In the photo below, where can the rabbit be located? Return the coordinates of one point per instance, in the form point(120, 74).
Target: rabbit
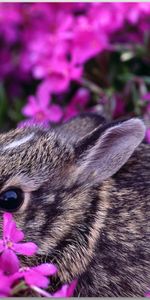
point(81, 192)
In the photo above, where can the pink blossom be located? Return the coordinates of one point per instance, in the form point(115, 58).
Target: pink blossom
point(146, 96)
point(65, 291)
point(5, 284)
point(88, 40)
point(36, 276)
point(107, 17)
point(133, 12)
point(10, 245)
point(77, 103)
point(40, 109)
point(10, 18)
point(46, 39)
point(59, 72)
point(147, 295)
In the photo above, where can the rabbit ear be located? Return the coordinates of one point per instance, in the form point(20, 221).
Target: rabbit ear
point(79, 126)
point(105, 150)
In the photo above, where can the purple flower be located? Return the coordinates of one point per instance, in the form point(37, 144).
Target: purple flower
point(88, 40)
point(107, 17)
point(58, 73)
point(46, 40)
point(146, 97)
point(40, 109)
point(5, 284)
point(133, 12)
point(36, 276)
point(65, 291)
point(10, 245)
point(10, 18)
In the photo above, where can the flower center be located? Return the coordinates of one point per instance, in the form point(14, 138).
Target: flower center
point(40, 116)
point(9, 244)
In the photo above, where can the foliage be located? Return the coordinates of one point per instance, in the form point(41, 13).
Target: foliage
point(59, 59)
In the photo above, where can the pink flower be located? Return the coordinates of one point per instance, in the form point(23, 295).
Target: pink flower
point(107, 17)
point(10, 18)
point(39, 108)
point(133, 12)
point(49, 31)
point(146, 97)
point(36, 276)
point(77, 103)
point(147, 295)
point(10, 245)
point(65, 291)
point(58, 73)
point(5, 284)
point(88, 40)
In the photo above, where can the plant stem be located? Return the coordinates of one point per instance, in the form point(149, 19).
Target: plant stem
point(19, 287)
point(92, 86)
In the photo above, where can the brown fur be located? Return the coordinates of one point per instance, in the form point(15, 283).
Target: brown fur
point(99, 234)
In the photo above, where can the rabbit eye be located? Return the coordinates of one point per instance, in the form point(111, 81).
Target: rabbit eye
point(11, 199)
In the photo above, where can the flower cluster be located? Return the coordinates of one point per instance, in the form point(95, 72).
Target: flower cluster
point(15, 279)
point(59, 59)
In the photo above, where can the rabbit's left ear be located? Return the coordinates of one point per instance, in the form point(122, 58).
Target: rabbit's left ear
point(104, 151)
point(79, 126)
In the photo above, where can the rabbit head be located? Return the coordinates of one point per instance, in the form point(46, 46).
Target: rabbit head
point(57, 176)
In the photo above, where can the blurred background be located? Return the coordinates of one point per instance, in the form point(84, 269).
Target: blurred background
point(61, 59)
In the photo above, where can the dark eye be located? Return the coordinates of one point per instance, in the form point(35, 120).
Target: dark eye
point(11, 199)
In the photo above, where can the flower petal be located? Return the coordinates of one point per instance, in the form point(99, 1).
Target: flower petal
point(62, 293)
point(16, 235)
point(43, 94)
point(26, 248)
point(31, 108)
point(2, 295)
point(66, 290)
point(71, 288)
point(34, 278)
point(55, 113)
point(9, 262)
point(46, 269)
point(7, 224)
point(10, 230)
point(5, 284)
